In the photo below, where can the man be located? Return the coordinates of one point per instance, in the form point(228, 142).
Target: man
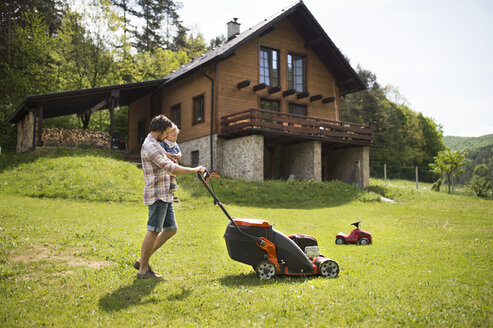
point(157, 167)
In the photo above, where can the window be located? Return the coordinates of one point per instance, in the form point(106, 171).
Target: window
point(176, 115)
point(297, 109)
point(269, 66)
point(198, 109)
point(141, 131)
point(271, 105)
point(296, 73)
point(195, 158)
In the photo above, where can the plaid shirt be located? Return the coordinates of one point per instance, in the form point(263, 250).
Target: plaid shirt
point(156, 167)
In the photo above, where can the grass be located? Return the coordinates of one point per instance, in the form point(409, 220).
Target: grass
point(66, 261)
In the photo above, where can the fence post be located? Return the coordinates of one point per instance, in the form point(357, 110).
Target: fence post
point(416, 177)
point(385, 173)
point(492, 182)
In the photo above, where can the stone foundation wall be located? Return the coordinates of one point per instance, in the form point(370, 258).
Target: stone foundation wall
point(341, 165)
point(25, 130)
point(304, 160)
point(243, 158)
point(203, 146)
point(247, 158)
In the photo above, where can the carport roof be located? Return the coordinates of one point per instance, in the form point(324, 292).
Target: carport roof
point(80, 101)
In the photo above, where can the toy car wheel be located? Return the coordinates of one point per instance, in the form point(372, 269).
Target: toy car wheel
point(266, 270)
point(363, 241)
point(340, 241)
point(328, 269)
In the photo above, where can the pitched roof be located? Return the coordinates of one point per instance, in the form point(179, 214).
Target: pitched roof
point(315, 38)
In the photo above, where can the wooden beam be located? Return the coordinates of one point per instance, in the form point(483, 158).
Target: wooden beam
point(227, 55)
point(316, 97)
point(259, 86)
point(301, 95)
point(98, 106)
point(243, 84)
point(312, 42)
point(274, 90)
point(328, 100)
point(113, 102)
point(40, 125)
point(288, 92)
point(345, 82)
point(269, 30)
point(34, 128)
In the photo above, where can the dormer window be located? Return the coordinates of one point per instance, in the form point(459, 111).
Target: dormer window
point(269, 66)
point(296, 72)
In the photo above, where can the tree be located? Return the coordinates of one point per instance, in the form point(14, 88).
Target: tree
point(12, 14)
point(28, 71)
point(155, 14)
point(449, 163)
point(402, 137)
point(481, 181)
point(82, 61)
point(216, 42)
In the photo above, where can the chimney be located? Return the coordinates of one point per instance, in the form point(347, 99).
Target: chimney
point(233, 28)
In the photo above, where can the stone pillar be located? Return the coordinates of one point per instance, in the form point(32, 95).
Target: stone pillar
point(304, 160)
point(243, 158)
point(341, 164)
point(25, 133)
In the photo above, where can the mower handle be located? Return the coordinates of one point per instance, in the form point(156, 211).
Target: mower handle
point(203, 178)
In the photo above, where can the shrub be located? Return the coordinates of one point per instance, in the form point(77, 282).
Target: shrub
point(481, 181)
point(436, 185)
point(480, 186)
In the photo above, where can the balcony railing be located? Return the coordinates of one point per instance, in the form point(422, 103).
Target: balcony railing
point(263, 121)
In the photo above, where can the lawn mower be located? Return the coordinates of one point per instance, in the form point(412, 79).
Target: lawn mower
point(357, 236)
point(255, 242)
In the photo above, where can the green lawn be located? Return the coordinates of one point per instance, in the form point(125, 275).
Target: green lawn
point(65, 259)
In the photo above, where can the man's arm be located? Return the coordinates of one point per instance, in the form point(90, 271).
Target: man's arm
point(180, 170)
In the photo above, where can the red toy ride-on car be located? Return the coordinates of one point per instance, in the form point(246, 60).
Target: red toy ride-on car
point(357, 236)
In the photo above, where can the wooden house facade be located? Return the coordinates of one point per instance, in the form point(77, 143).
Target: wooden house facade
point(275, 92)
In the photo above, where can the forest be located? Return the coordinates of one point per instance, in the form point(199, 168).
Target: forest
point(52, 46)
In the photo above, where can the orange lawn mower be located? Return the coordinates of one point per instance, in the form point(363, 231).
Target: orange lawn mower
point(255, 242)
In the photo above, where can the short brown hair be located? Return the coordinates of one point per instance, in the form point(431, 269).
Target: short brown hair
point(160, 123)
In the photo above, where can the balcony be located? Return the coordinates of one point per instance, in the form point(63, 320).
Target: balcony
point(291, 128)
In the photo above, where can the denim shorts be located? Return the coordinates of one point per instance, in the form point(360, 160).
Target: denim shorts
point(161, 217)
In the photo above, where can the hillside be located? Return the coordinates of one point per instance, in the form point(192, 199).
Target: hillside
point(85, 174)
point(467, 143)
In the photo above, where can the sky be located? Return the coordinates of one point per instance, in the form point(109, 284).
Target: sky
point(437, 53)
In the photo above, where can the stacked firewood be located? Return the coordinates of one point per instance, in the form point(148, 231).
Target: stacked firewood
point(76, 138)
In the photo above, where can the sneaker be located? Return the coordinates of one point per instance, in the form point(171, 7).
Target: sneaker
point(149, 275)
point(173, 187)
point(137, 266)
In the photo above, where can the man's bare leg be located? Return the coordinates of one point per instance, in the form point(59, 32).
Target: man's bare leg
point(147, 250)
point(159, 241)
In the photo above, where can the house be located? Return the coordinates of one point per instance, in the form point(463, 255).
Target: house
point(265, 104)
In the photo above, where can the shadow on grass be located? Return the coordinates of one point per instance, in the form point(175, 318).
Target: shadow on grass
point(252, 280)
point(131, 295)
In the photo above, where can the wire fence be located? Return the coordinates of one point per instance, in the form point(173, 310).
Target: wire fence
point(396, 172)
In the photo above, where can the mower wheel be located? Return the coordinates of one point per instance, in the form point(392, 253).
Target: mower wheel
point(363, 241)
point(340, 241)
point(328, 269)
point(266, 270)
